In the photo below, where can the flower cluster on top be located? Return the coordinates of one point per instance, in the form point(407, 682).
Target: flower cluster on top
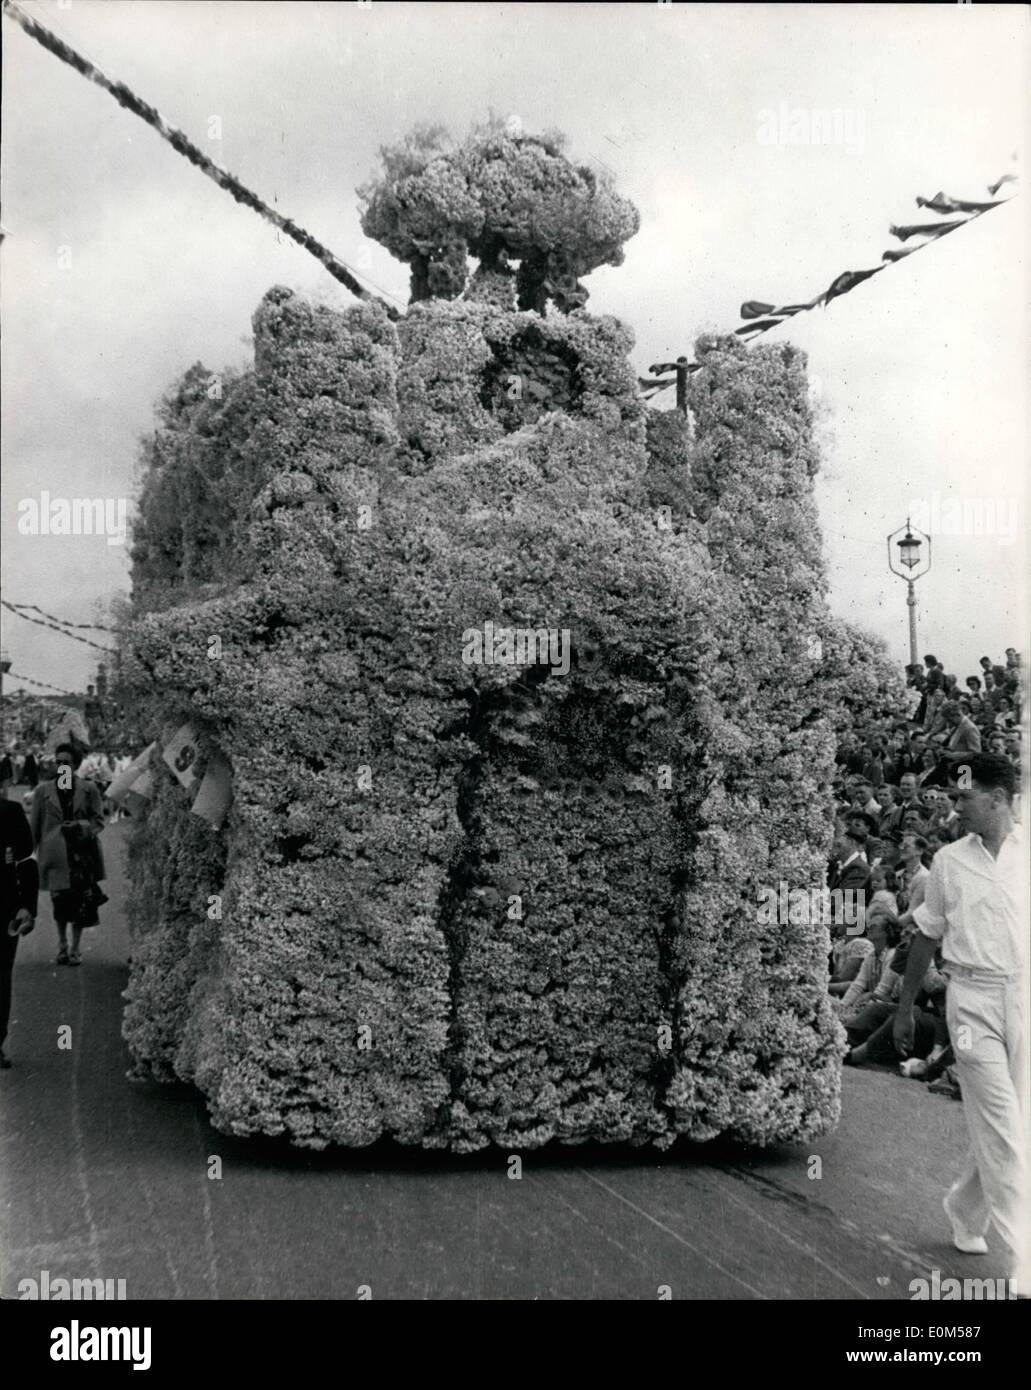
point(515, 202)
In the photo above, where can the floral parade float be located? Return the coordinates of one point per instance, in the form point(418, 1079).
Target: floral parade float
point(473, 892)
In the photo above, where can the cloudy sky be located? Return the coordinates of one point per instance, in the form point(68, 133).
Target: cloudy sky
point(122, 264)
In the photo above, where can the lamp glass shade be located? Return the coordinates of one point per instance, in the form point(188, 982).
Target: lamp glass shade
point(909, 551)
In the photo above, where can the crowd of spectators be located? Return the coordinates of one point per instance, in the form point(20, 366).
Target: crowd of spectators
point(895, 807)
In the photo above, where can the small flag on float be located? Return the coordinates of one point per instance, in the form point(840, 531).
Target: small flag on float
point(216, 792)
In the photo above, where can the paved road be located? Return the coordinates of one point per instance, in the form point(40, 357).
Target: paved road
point(107, 1178)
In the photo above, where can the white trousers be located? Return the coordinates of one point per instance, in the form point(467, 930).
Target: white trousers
point(988, 1031)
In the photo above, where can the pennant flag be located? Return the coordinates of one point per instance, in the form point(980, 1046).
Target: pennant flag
point(136, 799)
point(848, 280)
point(790, 309)
point(124, 782)
point(993, 188)
point(941, 202)
point(761, 327)
point(181, 754)
point(216, 793)
point(928, 229)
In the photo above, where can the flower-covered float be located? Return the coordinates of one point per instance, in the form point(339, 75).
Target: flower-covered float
point(475, 887)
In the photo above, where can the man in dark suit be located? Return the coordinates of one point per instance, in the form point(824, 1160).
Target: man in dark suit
point(18, 904)
point(849, 869)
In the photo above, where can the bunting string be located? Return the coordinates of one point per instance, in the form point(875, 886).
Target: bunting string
point(40, 622)
point(42, 685)
point(759, 317)
point(184, 146)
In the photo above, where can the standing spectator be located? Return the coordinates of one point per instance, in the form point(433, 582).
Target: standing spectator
point(30, 770)
point(986, 663)
point(20, 891)
point(973, 906)
point(67, 816)
point(935, 699)
point(964, 738)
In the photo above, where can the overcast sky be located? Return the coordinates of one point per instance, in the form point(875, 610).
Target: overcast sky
point(123, 264)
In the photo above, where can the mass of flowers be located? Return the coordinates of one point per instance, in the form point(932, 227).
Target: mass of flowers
point(466, 904)
point(511, 200)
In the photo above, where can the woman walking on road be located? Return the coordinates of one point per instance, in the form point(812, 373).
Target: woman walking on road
point(67, 816)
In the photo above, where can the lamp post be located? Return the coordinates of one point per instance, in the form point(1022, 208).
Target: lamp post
point(913, 567)
point(5, 666)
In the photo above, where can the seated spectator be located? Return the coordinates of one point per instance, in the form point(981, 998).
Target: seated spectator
point(849, 867)
point(1004, 718)
point(849, 947)
point(881, 886)
point(889, 856)
point(931, 773)
point(946, 822)
point(913, 823)
point(934, 844)
point(850, 755)
point(885, 798)
point(882, 931)
point(870, 1031)
point(912, 878)
point(864, 800)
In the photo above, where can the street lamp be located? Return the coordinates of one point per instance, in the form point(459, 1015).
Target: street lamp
point(913, 567)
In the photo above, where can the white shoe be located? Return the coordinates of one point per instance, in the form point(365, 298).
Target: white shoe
point(915, 1066)
point(963, 1239)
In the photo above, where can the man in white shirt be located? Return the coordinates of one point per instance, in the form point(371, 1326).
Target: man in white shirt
point(975, 905)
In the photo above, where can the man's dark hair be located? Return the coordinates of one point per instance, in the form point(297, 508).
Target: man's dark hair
point(931, 661)
point(991, 770)
point(70, 748)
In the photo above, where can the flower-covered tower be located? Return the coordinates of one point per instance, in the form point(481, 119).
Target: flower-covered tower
point(518, 691)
